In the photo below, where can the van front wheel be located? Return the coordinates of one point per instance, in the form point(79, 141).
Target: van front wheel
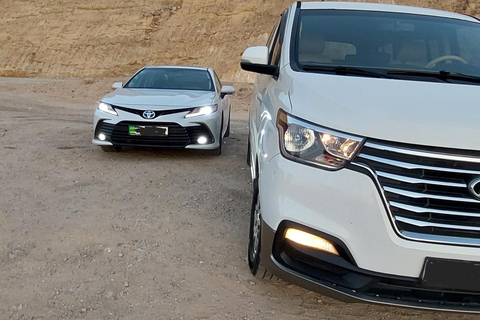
point(255, 238)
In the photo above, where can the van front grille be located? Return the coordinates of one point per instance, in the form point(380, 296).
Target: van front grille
point(427, 190)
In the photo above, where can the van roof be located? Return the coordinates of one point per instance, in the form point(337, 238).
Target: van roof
point(362, 6)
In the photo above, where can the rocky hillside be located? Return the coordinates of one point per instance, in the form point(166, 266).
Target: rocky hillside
point(110, 38)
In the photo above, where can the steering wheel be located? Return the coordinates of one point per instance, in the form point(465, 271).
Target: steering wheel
point(433, 62)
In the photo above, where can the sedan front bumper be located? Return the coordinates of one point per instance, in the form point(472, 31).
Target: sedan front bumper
point(180, 132)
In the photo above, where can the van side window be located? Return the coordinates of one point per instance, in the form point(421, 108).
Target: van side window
point(278, 41)
point(271, 37)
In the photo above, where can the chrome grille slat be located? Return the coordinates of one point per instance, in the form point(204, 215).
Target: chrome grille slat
point(417, 195)
point(426, 190)
point(423, 224)
point(418, 181)
point(411, 166)
point(434, 211)
point(425, 154)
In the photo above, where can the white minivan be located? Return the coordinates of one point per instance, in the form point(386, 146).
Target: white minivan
point(364, 147)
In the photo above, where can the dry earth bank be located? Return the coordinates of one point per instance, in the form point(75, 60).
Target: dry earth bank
point(109, 38)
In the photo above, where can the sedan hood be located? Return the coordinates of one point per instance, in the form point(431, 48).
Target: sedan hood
point(423, 113)
point(159, 99)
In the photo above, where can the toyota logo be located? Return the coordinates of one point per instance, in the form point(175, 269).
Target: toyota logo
point(149, 114)
point(474, 188)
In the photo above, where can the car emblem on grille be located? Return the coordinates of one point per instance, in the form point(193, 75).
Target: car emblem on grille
point(474, 188)
point(149, 114)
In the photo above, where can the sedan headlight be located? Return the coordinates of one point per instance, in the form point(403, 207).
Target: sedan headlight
point(202, 111)
point(308, 143)
point(105, 107)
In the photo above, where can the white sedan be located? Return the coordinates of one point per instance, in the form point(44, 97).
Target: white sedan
point(165, 106)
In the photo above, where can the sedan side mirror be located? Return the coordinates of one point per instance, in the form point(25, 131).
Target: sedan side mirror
point(255, 59)
point(117, 85)
point(226, 90)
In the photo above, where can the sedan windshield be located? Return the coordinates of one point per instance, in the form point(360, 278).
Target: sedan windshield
point(172, 78)
point(379, 42)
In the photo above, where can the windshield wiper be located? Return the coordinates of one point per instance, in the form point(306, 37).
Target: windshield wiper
point(442, 75)
point(344, 70)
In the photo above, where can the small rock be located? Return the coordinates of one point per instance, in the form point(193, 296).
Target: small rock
point(126, 284)
point(120, 254)
point(241, 277)
point(109, 291)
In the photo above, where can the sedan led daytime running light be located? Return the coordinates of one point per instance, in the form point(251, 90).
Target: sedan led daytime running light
point(202, 111)
point(107, 108)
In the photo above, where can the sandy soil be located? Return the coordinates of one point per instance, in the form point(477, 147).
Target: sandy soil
point(141, 234)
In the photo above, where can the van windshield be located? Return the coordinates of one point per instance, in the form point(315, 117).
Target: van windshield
point(386, 41)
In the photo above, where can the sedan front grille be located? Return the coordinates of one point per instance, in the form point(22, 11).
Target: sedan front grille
point(158, 113)
point(426, 190)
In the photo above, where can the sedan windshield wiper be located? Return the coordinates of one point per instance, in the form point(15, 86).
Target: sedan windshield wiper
point(344, 70)
point(442, 75)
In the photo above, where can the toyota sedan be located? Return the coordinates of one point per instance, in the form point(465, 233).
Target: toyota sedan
point(165, 106)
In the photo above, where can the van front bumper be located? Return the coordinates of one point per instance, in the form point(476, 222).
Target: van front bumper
point(345, 207)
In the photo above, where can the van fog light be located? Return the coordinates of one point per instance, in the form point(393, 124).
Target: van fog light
point(202, 140)
point(310, 240)
point(102, 137)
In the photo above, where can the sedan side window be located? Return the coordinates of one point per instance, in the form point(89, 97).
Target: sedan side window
point(218, 84)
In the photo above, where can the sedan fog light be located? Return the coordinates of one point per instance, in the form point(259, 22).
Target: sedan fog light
point(102, 137)
point(310, 240)
point(202, 140)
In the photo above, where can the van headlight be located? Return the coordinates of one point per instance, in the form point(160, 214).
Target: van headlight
point(308, 143)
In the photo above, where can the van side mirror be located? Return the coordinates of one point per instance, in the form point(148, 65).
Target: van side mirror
point(226, 90)
point(117, 85)
point(255, 59)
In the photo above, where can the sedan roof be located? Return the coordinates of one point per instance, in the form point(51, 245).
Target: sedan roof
point(177, 67)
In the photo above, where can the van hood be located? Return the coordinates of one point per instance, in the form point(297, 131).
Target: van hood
point(159, 99)
point(416, 112)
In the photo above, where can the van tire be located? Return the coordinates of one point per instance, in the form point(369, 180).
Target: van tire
point(254, 240)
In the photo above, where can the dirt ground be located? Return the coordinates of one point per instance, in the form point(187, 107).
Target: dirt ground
point(141, 234)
